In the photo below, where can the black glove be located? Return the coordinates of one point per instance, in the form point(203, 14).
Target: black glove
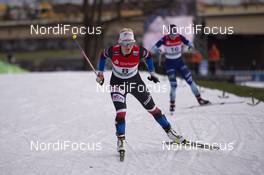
point(100, 78)
point(153, 78)
point(190, 47)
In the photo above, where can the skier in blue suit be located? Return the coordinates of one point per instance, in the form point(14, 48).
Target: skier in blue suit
point(172, 44)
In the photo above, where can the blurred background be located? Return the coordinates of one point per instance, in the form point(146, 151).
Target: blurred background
point(236, 58)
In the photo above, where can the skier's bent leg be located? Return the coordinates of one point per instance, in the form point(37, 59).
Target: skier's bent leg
point(171, 73)
point(119, 101)
point(120, 130)
point(187, 75)
point(173, 84)
point(162, 120)
point(147, 102)
point(159, 117)
point(194, 89)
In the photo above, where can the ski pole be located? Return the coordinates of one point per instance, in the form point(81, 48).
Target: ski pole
point(83, 53)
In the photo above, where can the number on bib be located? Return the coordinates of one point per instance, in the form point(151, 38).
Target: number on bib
point(124, 71)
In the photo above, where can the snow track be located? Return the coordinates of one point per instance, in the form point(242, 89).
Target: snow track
point(66, 106)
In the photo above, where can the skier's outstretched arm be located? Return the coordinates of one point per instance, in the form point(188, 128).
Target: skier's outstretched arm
point(146, 55)
point(156, 48)
point(187, 42)
point(101, 65)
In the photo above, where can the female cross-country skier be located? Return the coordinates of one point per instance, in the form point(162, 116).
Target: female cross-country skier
point(125, 58)
point(172, 44)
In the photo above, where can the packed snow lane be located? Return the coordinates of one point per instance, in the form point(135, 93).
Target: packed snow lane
point(72, 125)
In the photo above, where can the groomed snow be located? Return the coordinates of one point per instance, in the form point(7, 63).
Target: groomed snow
point(51, 107)
point(253, 84)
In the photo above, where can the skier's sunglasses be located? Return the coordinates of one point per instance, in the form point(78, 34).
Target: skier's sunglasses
point(127, 44)
point(172, 35)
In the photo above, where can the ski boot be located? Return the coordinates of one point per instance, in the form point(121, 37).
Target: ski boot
point(172, 107)
point(121, 146)
point(175, 137)
point(202, 101)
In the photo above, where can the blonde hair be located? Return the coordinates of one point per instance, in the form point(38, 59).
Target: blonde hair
point(126, 30)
